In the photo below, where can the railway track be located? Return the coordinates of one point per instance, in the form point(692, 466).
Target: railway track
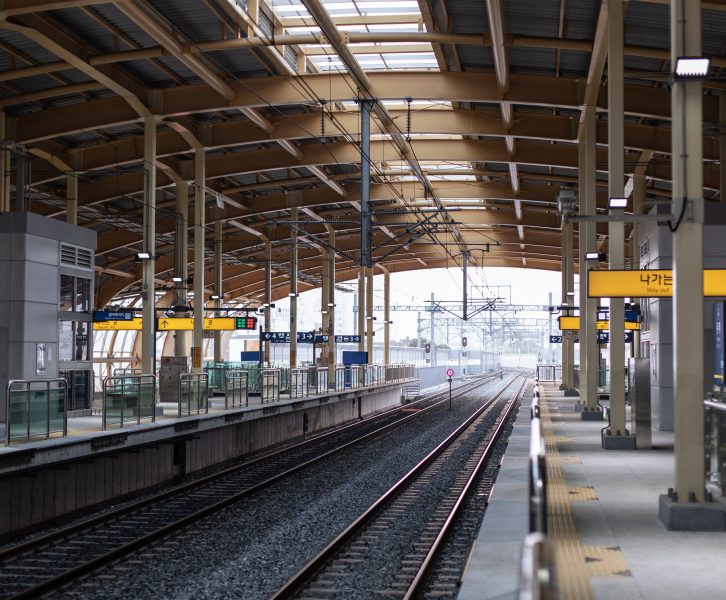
point(48, 562)
point(352, 564)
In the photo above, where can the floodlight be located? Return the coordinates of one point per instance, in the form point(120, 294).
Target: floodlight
point(176, 279)
point(293, 295)
point(143, 255)
point(592, 256)
point(617, 203)
point(570, 293)
point(214, 297)
point(692, 67)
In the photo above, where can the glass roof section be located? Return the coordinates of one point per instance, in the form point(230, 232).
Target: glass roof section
point(367, 17)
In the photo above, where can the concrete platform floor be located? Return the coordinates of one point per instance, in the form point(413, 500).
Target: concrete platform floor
point(620, 550)
point(84, 426)
point(606, 530)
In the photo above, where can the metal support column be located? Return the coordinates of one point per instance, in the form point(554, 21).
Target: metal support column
point(366, 229)
point(331, 308)
point(148, 326)
point(722, 146)
point(432, 333)
point(293, 290)
point(218, 225)
point(181, 269)
point(361, 309)
point(4, 195)
point(21, 180)
point(199, 234)
point(688, 209)
point(268, 297)
point(369, 314)
point(638, 202)
point(386, 317)
point(324, 300)
point(72, 198)
point(589, 363)
point(616, 229)
point(568, 342)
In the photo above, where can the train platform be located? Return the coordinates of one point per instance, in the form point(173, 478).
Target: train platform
point(602, 518)
point(46, 480)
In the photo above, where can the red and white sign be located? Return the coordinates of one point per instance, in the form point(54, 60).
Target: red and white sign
point(449, 372)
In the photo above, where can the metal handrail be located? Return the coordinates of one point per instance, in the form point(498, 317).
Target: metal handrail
point(233, 388)
point(321, 380)
point(130, 383)
point(537, 479)
point(189, 379)
point(28, 383)
point(714, 405)
point(537, 579)
point(265, 376)
point(298, 382)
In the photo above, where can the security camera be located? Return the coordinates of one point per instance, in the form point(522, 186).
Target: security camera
point(566, 202)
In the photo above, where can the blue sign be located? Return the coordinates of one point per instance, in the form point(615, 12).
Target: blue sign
point(101, 316)
point(719, 353)
point(603, 337)
point(321, 338)
point(347, 339)
point(555, 339)
point(276, 337)
point(305, 337)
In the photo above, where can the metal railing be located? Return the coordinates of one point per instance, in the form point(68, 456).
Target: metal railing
point(715, 431)
point(35, 409)
point(400, 372)
point(549, 372)
point(537, 579)
point(193, 394)
point(356, 376)
point(373, 374)
point(340, 373)
point(126, 371)
point(321, 380)
point(537, 479)
point(128, 399)
point(236, 388)
point(270, 385)
point(298, 382)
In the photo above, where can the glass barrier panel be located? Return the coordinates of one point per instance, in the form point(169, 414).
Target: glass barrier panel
point(18, 417)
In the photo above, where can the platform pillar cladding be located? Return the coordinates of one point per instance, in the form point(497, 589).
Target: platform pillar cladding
point(199, 233)
point(361, 308)
point(568, 342)
point(293, 289)
point(688, 212)
point(181, 269)
point(369, 314)
point(331, 307)
point(148, 336)
point(268, 297)
point(386, 317)
point(616, 229)
point(72, 197)
point(587, 165)
point(218, 225)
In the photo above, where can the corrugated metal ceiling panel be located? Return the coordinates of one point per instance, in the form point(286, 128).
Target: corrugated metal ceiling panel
point(192, 17)
point(647, 24)
point(468, 16)
point(574, 63)
point(531, 60)
point(238, 62)
point(23, 45)
point(475, 58)
point(120, 20)
point(581, 19)
point(88, 29)
point(540, 18)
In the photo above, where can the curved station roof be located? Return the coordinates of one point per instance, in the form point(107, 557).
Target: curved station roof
point(474, 128)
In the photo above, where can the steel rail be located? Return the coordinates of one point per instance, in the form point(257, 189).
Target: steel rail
point(427, 565)
point(307, 572)
point(116, 553)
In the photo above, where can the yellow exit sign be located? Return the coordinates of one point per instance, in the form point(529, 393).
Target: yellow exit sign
point(656, 283)
point(187, 324)
point(573, 324)
point(134, 325)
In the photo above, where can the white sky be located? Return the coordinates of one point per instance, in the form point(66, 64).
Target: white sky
point(523, 286)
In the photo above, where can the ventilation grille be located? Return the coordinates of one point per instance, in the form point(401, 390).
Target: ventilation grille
point(76, 257)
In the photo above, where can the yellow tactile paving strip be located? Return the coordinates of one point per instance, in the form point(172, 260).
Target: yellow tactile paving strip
point(575, 563)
